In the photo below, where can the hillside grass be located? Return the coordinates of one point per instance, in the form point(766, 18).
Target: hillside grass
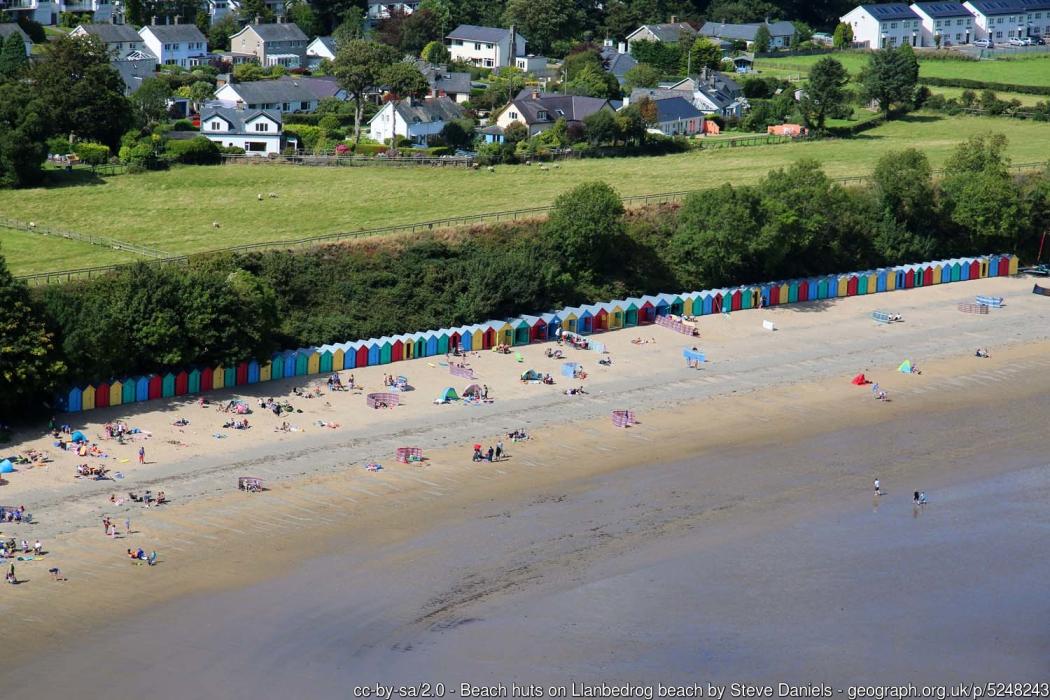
point(1033, 70)
point(27, 253)
point(174, 210)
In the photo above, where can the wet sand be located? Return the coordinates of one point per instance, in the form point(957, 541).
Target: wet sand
point(770, 561)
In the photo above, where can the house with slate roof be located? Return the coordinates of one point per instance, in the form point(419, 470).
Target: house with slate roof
point(539, 111)
point(320, 49)
point(488, 47)
point(120, 39)
point(677, 116)
point(443, 82)
point(259, 132)
point(281, 43)
point(413, 119)
point(616, 59)
point(780, 33)
point(1002, 20)
point(273, 95)
point(709, 91)
point(883, 26)
point(668, 33)
point(950, 21)
point(176, 44)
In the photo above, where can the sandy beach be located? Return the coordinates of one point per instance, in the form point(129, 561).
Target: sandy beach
point(737, 516)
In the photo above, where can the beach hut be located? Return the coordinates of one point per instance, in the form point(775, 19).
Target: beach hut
point(975, 269)
point(324, 360)
point(116, 393)
point(688, 299)
point(276, 366)
point(167, 386)
point(182, 383)
point(207, 379)
point(304, 360)
point(630, 313)
point(419, 343)
point(569, 315)
point(793, 291)
point(727, 300)
point(938, 274)
point(927, 274)
point(155, 387)
point(1011, 268)
point(477, 338)
point(364, 353)
point(400, 348)
point(87, 398)
point(736, 300)
point(662, 304)
point(585, 321)
point(455, 339)
point(339, 356)
point(266, 372)
point(218, 377)
point(241, 374)
point(229, 377)
point(129, 391)
point(538, 330)
point(350, 355)
point(851, 285)
point(964, 270)
point(523, 329)
point(807, 289)
point(504, 332)
point(676, 303)
point(102, 395)
point(142, 389)
point(440, 342)
point(73, 399)
point(881, 277)
point(647, 310)
point(386, 348)
point(600, 318)
point(749, 297)
point(862, 284)
point(253, 372)
point(193, 381)
point(287, 360)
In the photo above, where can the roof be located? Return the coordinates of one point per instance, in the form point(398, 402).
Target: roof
point(617, 63)
point(284, 31)
point(674, 108)
point(237, 117)
point(9, 28)
point(434, 109)
point(889, 11)
point(1005, 7)
point(111, 33)
point(271, 91)
point(745, 32)
point(472, 32)
point(174, 32)
point(326, 41)
point(567, 107)
point(939, 10)
point(668, 32)
point(441, 79)
point(320, 87)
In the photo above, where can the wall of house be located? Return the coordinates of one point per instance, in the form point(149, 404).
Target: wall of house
point(954, 31)
point(248, 42)
point(1001, 28)
point(269, 143)
point(869, 32)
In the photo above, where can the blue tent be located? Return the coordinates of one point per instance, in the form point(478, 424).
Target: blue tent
point(79, 436)
point(6, 467)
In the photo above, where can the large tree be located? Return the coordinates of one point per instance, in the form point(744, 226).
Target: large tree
point(29, 366)
point(890, 77)
point(405, 80)
point(80, 90)
point(703, 53)
point(583, 227)
point(542, 22)
point(843, 36)
point(13, 59)
point(642, 75)
point(762, 39)
point(825, 92)
point(24, 126)
point(359, 67)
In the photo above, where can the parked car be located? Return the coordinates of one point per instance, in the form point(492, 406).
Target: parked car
point(1039, 40)
point(984, 44)
point(1020, 41)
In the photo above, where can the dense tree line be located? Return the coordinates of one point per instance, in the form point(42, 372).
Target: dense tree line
point(794, 223)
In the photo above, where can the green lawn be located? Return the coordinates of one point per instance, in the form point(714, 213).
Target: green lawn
point(174, 210)
point(1024, 98)
point(1025, 71)
point(27, 253)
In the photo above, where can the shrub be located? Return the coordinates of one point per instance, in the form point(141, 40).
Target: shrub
point(91, 153)
point(196, 151)
point(59, 145)
point(984, 85)
point(183, 125)
point(231, 150)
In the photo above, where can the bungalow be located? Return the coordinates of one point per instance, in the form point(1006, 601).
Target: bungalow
point(258, 132)
point(9, 28)
point(539, 111)
point(668, 33)
point(780, 33)
point(120, 39)
point(944, 23)
point(276, 95)
point(176, 44)
point(676, 116)
point(320, 49)
point(616, 59)
point(413, 119)
point(271, 44)
point(320, 87)
point(883, 26)
point(488, 47)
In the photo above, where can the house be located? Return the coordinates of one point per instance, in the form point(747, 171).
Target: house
point(944, 23)
point(537, 65)
point(488, 47)
point(320, 49)
point(442, 82)
point(883, 26)
point(413, 119)
point(217, 9)
point(616, 59)
point(539, 111)
point(281, 43)
point(120, 39)
point(176, 44)
point(258, 132)
point(9, 28)
point(385, 10)
point(42, 11)
point(1002, 20)
point(320, 87)
point(780, 33)
point(668, 33)
point(135, 68)
point(272, 95)
point(714, 93)
point(676, 116)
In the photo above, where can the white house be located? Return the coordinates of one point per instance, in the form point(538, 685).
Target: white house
point(258, 132)
point(537, 65)
point(883, 26)
point(286, 95)
point(676, 116)
point(488, 47)
point(320, 49)
point(539, 111)
point(1002, 20)
point(668, 33)
point(9, 28)
point(950, 21)
point(176, 44)
point(385, 10)
point(413, 119)
point(780, 33)
point(120, 39)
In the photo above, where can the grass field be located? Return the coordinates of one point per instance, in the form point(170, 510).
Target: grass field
point(27, 253)
point(174, 210)
point(1022, 71)
point(1023, 98)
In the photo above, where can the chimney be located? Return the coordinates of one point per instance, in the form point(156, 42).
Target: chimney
point(674, 19)
point(535, 94)
point(607, 43)
point(621, 47)
point(240, 105)
point(258, 19)
point(153, 20)
point(177, 18)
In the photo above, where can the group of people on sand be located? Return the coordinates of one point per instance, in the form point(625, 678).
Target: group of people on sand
point(981, 352)
point(502, 348)
point(878, 393)
point(140, 555)
point(555, 354)
point(336, 384)
point(237, 424)
point(492, 455)
point(517, 435)
point(269, 404)
point(87, 471)
point(13, 515)
point(642, 341)
point(9, 548)
point(574, 391)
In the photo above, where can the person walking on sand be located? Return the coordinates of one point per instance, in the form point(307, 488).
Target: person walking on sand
point(127, 526)
point(878, 487)
point(142, 455)
point(490, 453)
point(499, 451)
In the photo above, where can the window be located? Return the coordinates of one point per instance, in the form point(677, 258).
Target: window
point(541, 115)
point(304, 106)
point(287, 107)
point(998, 35)
point(998, 20)
point(488, 63)
point(256, 146)
point(958, 37)
point(512, 115)
point(215, 125)
point(262, 126)
point(477, 46)
point(893, 25)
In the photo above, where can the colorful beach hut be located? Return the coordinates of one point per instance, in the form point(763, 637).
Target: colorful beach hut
point(167, 386)
point(569, 316)
point(102, 395)
point(523, 329)
point(73, 398)
point(630, 312)
point(87, 398)
point(116, 393)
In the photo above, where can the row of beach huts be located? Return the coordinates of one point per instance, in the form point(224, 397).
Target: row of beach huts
point(582, 320)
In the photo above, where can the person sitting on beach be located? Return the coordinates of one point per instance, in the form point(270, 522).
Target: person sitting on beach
point(161, 498)
point(981, 352)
